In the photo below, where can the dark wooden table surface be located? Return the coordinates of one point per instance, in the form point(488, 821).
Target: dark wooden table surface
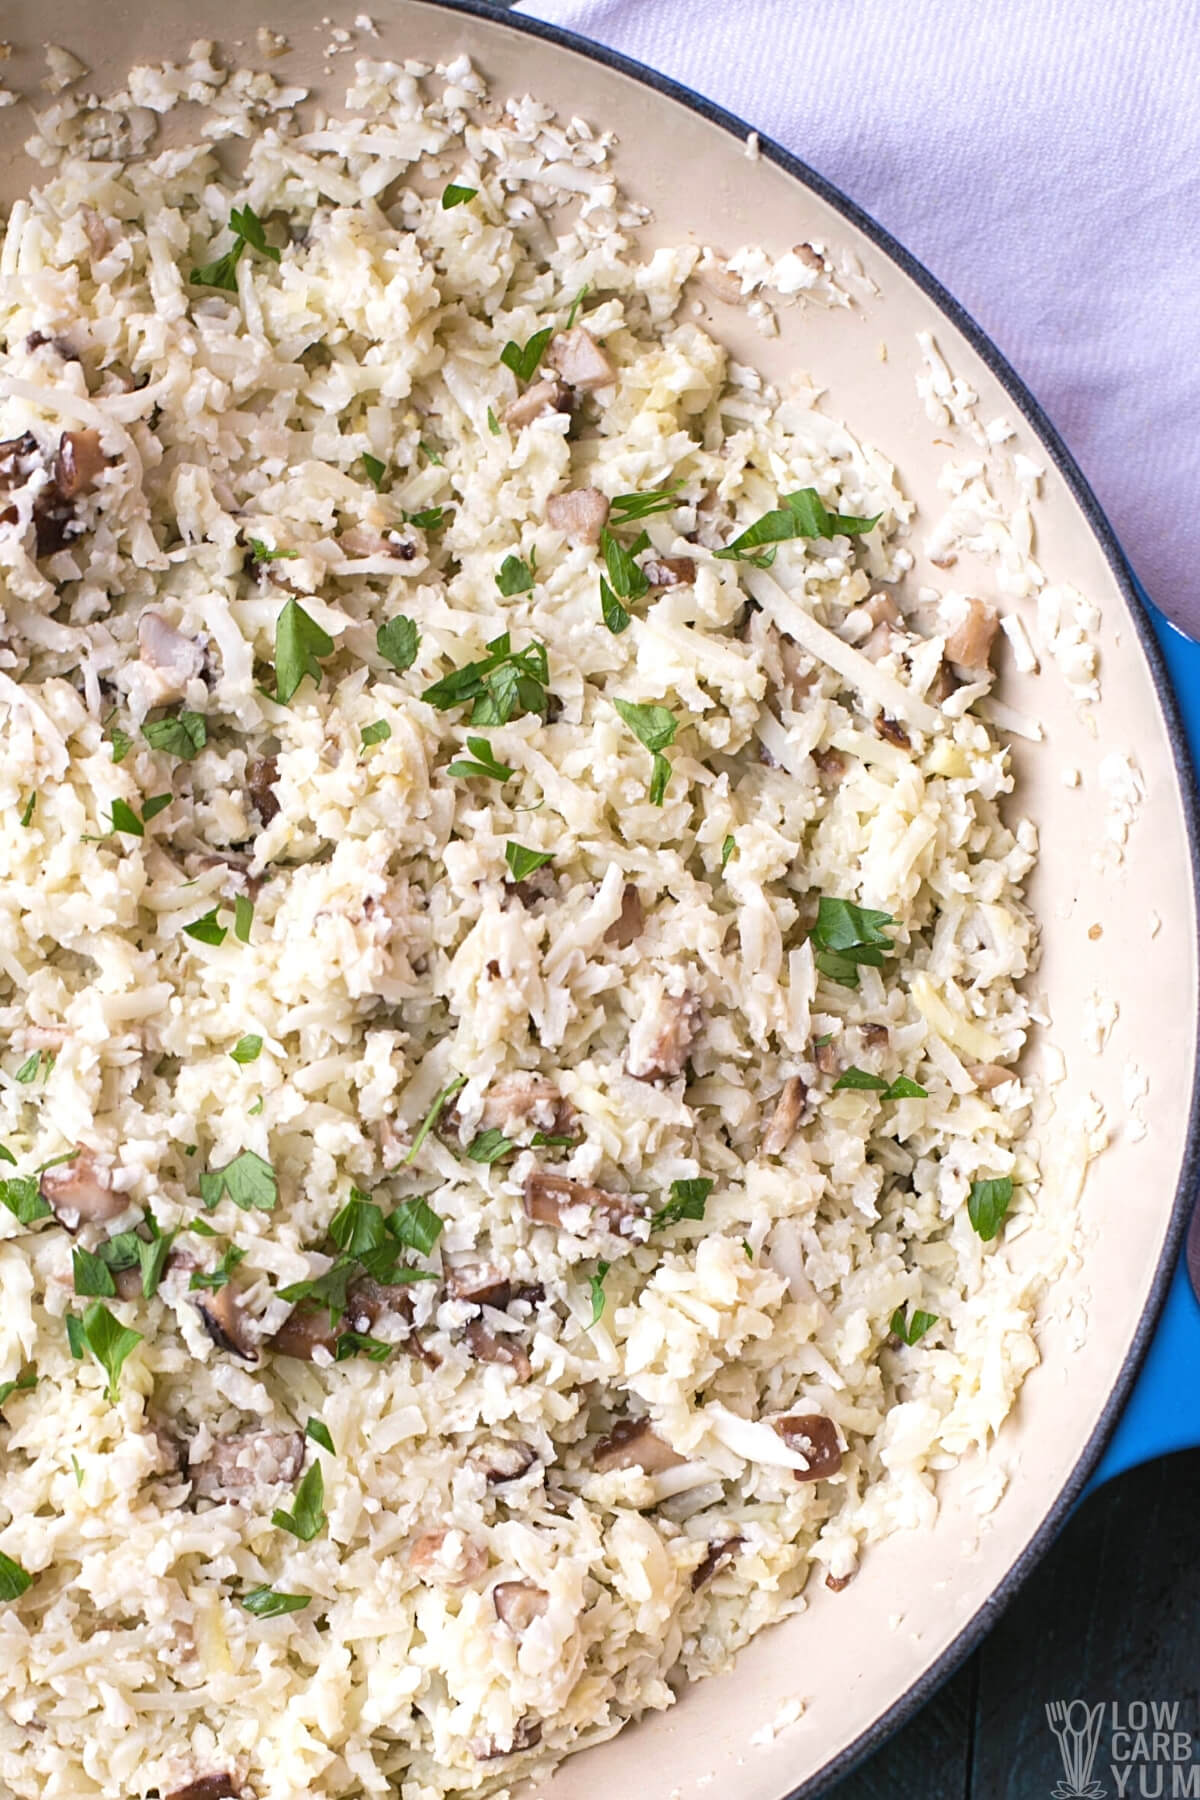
point(1113, 1613)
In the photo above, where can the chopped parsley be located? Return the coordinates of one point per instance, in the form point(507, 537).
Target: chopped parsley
point(911, 1331)
point(430, 453)
point(504, 683)
point(988, 1203)
point(121, 743)
point(374, 470)
point(14, 1580)
point(299, 642)
point(655, 727)
point(514, 576)
point(431, 1117)
point(28, 1071)
point(184, 735)
point(490, 1146)
point(92, 1275)
point(905, 1088)
point(23, 1198)
point(206, 929)
point(263, 553)
point(215, 1279)
point(109, 1341)
point(249, 1180)
point(802, 514)
point(247, 1048)
point(626, 508)
point(307, 1517)
point(901, 1089)
point(493, 423)
point(415, 1224)
point(523, 359)
point(727, 850)
point(378, 733)
point(78, 1471)
point(484, 765)
point(266, 1603)
point(397, 642)
point(596, 1289)
point(243, 917)
point(625, 580)
point(846, 935)
point(247, 228)
point(577, 302)
point(20, 1384)
point(688, 1200)
point(319, 1433)
point(7, 1156)
point(454, 195)
point(523, 862)
point(27, 810)
point(123, 818)
point(360, 1343)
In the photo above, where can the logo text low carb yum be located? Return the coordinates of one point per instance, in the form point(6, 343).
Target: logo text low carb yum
point(1138, 1746)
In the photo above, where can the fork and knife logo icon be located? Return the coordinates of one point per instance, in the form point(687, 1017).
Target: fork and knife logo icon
point(1077, 1727)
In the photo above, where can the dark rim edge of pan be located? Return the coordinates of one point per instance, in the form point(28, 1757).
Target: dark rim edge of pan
point(977, 1628)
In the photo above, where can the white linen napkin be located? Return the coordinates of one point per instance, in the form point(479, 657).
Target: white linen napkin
point(1041, 157)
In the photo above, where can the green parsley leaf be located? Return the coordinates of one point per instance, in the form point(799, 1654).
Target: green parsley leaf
point(307, 1517)
point(988, 1203)
point(623, 572)
point(453, 195)
point(656, 728)
point(243, 917)
point(206, 929)
point(154, 805)
point(125, 819)
point(14, 1581)
point(523, 862)
point(748, 1250)
point(551, 1140)
point(802, 514)
point(27, 810)
point(358, 1226)
point(330, 1290)
point(846, 935)
point(184, 736)
point(727, 850)
point(153, 1256)
point(299, 641)
point(514, 576)
point(611, 610)
point(319, 1433)
point(415, 1224)
point(76, 1341)
point(490, 1146)
point(20, 1384)
point(904, 1088)
point(493, 423)
point(431, 519)
point(378, 733)
point(524, 359)
point(688, 1200)
point(397, 642)
point(249, 1181)
point(7, 1156)
point(92, 1276)
point(266, 1603)
point(256, 1108)
point(596, 1288)
point(625, 508)
point(246, 223)
point(485, 764)
point(859, 1078)
point(215, 1279)
point(201, 1229)
point(263, 553)
point(499, 685)
point(247, 1048)
point(121, 743)
point(360, 1343)
point(912, 1331)
point(77, 1469)
point(431, 1117)
point(577, 302)
point(247, 228)
point(28, 1070)
point(109, 1342)
point(431, 455)
point(374, 471)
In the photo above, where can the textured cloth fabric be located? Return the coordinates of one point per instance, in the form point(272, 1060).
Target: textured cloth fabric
point(1041, 157)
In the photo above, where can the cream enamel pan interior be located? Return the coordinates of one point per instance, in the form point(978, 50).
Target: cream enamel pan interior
point(860, 1658)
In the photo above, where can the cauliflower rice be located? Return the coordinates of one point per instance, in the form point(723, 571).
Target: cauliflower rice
point(546, 1038)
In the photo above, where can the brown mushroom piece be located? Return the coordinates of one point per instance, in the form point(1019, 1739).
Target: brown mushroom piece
point(543, 397)
point(526, 1735)
point(884, 616)
point(583, 363)
point(502, 1461)
point(482, 1284)
point(549, 1197)
point(669, 571)
point(970, 643)
point(79, 1194)
point(892, 731)
point(793, 1097)
point(815, 1438)
point(662, 1037)
point(631, 1444)
point(19, 457)
point(835, 1583)
point(262, 772)
point(305, 1330)
point(526, 1098)
point(226, 1323)
point(875, 1037)
point(580, 514)
point(490, 1346)
point(826, 1058)
point(519, 1603)
point(171, 658)
point(249, 1459)
point(831, 765)
point(627, 927)
point(447, 1556)
point(987, 1076)
point(78, 462)
point(208, 1787)
point(718, 1555)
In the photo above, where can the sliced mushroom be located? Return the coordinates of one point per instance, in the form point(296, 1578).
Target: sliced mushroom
point(208, 1787)
point(633, 1445)
point(884, 615)
point(360, 540)
point(789, 1107)
point(831, 764)
point(80, 459)
point(525, 1736)
point(503, 1460)
point(892, 731)
point(627, 927)
point(171, 658)
point(718, 1555)
point(581, 514)
point(19, 457)
point(549, 1198)
point(944, 683)
point(543, 397)
point(815, 1438)
point(662, 1036)
point(669, 571)
point(449, 1557)
point(987, 1076)
point(226, 1323)
point(483, 1284)
point(970, 643)
point(580, 360)
point(875, 1037)
point(306, 1330)
point(80, 1193)
point(250, 1459)
point(835, 1583)
point(490, 1346)
point(519, 1603)
point(262, 772)
point(526, 1098)
point(826, 1058)
point(128, 1283)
